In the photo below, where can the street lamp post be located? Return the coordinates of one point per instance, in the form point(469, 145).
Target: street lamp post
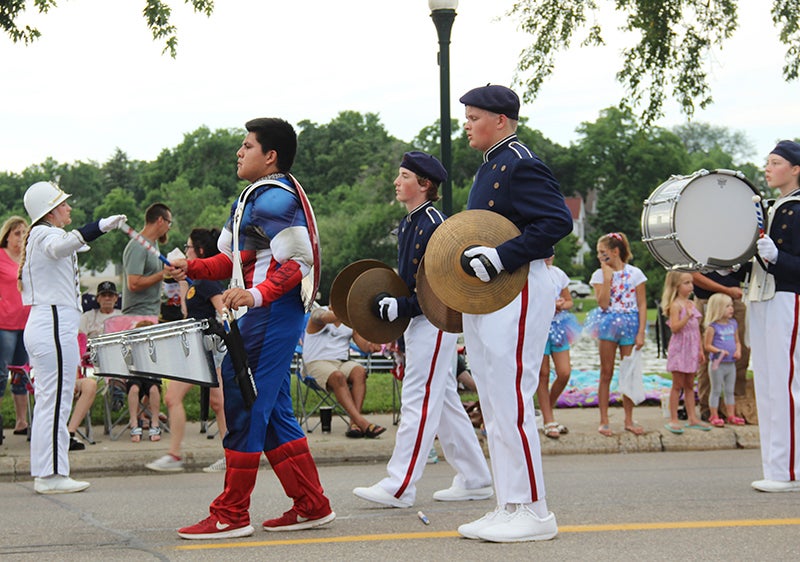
point(443, 13)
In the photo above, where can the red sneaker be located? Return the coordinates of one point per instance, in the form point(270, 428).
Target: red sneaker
point(213, 528)
point(291, 521)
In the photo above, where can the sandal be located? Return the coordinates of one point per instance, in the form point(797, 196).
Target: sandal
point(674, 428)
point(700, 426)
point(136, 434)
point(155, 433)
point(605, 430)
point(635, 428)
point(373, 431)
point(736, 420)
point(716, 421)
point(354, 432)
point(562, 429)
point(551, 430)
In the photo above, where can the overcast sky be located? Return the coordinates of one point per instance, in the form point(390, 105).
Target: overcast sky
point(96, 80)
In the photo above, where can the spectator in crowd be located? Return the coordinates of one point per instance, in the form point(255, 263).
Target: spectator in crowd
point(13, 317)
point(326, 357)
point(203, 300)
point(92, 321)
point(142, 272)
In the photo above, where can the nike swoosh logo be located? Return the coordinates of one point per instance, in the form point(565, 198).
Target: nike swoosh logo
point(301, 519)
point(222, 526)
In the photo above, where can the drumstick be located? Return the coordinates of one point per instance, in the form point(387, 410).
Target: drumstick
point(124, 227)
point(759, 215)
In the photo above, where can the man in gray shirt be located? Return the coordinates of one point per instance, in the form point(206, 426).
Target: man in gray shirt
point(142, 272)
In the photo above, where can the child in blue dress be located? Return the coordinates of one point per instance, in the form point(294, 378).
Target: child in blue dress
point(619, 320)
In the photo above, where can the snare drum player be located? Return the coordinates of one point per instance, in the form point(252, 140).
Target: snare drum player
point(430, 401)
point(274, 252)
point(50, 283)
point(506, 346)
point(774, 326)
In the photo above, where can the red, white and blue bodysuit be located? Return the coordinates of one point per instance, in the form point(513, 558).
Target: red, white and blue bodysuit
point(276, 253)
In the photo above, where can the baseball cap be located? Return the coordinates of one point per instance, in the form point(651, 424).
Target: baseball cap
point(106, 287)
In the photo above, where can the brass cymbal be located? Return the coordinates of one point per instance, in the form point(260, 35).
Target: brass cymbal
point(341, 286)
point(448, 278)
point(361, 299)
point(438, 313)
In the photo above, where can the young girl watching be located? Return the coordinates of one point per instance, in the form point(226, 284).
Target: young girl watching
point(619, 320)
point(721, 340)
point(685, 351)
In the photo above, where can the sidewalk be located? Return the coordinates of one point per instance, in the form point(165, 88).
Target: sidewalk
point(123, 457)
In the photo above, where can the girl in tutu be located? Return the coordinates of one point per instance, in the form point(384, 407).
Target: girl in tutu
point(564, 329)
point(619, 320)
point(685, 351)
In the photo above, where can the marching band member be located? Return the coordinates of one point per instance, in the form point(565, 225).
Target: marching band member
point(272, 222)
point(50, 282)
point(774, 326)
point(430, 403)
point(506, 346)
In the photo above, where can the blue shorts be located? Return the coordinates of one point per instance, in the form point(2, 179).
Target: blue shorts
point(549, 349)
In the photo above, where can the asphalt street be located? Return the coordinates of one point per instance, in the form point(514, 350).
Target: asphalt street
point(693, 505)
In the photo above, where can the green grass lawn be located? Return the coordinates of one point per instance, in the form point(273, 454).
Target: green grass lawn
point(378, 400)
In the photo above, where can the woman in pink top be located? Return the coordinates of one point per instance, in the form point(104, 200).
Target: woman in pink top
point(13, 316)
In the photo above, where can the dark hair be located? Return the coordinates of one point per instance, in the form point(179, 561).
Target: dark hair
point(275, 134)
point(155, 211)
point(204, 241)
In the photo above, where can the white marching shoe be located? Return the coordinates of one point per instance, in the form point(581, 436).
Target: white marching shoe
point(377, 494)
point(776, 486)
point(473, 530)
point(521, 526)
point(458, 494)
point(58, 484)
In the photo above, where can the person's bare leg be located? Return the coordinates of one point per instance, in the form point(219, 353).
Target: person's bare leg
point(21, 411)
point(358, 386)
point(563, 369)
point(337, 383)
point(608, 350)
point(87, 392)
point(176, 392)
point(543, 391)
point(216, 402)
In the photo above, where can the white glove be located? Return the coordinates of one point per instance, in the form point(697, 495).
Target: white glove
point(110, 223)
point(767, 249)
point(485, 262)
point(387, 308)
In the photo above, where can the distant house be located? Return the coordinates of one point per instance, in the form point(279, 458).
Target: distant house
point(578, 211)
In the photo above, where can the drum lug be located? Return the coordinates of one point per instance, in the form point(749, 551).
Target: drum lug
point(151, 350)
point(127, 356)
point(185, 344)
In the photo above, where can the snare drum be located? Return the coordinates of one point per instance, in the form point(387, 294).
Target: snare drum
point(701, 222)
point(110, 354)
point(174, 350)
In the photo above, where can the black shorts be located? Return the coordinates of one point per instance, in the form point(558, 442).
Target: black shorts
point(144, 384)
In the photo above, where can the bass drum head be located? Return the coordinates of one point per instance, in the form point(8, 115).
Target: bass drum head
point(716, 222)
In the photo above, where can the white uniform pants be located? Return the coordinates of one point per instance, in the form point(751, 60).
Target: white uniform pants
point(431, 405)
point(51, 338)
point(505, 350)
point(774, 328)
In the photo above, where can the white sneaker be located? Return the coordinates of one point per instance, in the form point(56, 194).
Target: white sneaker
point(433, 456)
point(471, 530)
point(216, 466)
point(523, 525)
point(776, 486)
point(379, 495)
point(58, 484)
point(167, 463)
point(457, 494)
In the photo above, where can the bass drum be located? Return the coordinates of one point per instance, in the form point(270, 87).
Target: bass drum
point(702, 222)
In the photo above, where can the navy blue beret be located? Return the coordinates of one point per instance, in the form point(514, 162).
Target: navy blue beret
point(424, 165)
point(494, 98)
point(789, 150)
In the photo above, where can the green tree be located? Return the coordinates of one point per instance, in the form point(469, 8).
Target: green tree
point(671, 56)
point(157, 13)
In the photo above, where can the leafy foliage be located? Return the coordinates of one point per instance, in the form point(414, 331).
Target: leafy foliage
point(156, 12)
point(675, 38)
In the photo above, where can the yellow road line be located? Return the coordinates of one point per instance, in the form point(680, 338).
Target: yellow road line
point(449, 534)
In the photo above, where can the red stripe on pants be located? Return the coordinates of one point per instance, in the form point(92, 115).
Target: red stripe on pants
point(520, 402)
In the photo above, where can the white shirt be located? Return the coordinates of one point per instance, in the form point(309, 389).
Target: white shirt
point(331, 343)
point(50, 275)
